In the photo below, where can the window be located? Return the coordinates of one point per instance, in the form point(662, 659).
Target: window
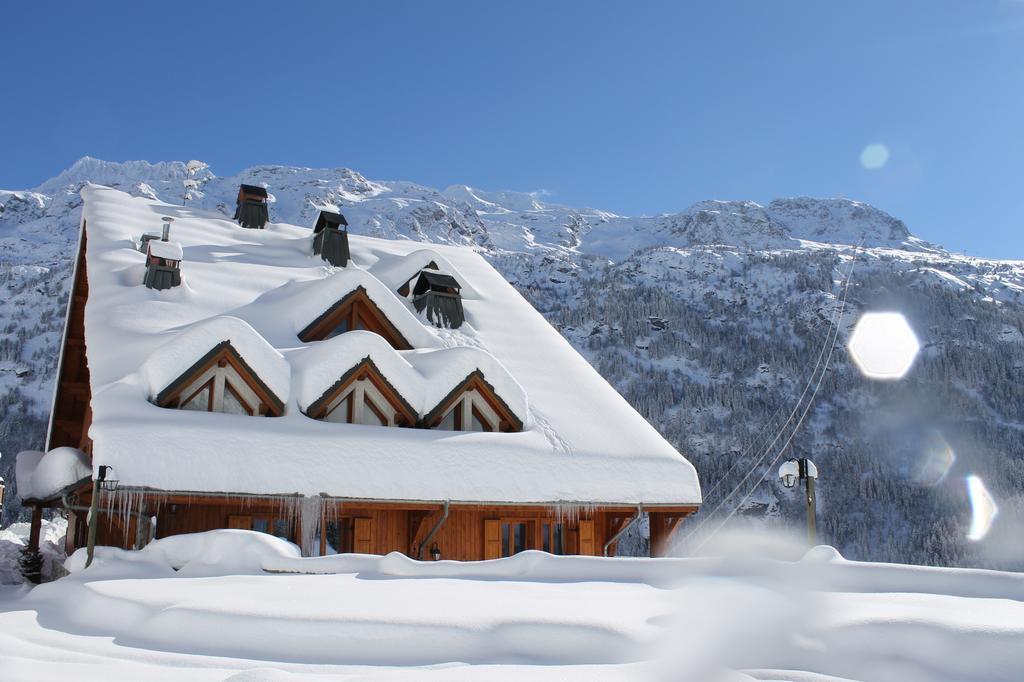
point(264, 523)
point(553, 538)
point(515, 537)
point(355, 312)
point(339, 537)
point(220, 389)
point(361, 403)
point(471, 412)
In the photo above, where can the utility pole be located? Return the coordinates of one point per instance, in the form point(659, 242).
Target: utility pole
point(803, 469)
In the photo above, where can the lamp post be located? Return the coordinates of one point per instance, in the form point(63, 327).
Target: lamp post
point(100, 481)
point(803, 469)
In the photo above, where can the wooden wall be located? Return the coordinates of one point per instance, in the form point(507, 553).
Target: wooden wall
point(469, 533)
point(71, 415)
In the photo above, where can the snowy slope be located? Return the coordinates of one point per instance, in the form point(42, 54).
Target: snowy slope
point(707, 321)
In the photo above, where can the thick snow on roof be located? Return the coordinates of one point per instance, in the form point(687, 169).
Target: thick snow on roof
point(581, 442)
point(183, 350)
point(168, 250)
point(423, 377)
point(395, 271)
point(281, 313)
point(43, 475)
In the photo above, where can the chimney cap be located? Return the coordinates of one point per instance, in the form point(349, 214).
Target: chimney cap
point(167, 219)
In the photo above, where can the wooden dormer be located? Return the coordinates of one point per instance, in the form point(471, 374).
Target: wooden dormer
point(251, 207)
point(353, 312)
point(330, 238)
point(473, 405)
point(363, 396)
point(440, 296)
point(221, 381)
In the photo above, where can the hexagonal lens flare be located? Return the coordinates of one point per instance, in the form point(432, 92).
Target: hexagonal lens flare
point(883, 346)
point(983, 508)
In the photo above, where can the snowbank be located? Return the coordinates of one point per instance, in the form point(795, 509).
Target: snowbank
point(41, 476)
point(206, 603)
point(14, 539)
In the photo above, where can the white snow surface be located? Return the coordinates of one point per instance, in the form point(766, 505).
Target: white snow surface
point(423, 377)
point(161, 249)
point(42, 475)
point(240, 605)
point(582, 442)
point(177, 355)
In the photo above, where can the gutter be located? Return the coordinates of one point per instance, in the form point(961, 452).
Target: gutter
point(385, 500)
point(622, 531)
point(433, 531)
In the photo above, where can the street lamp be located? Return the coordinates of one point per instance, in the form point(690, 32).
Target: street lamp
point(803, 469)
point(99, 482)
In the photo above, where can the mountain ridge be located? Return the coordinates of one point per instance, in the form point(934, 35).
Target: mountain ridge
point(703, 319)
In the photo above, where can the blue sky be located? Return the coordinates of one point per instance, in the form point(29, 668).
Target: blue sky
point(632, 107)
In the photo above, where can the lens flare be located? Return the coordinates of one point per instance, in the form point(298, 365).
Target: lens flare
point(937, 458)
point(983, 508)
point(883, 345)
point(874, 156)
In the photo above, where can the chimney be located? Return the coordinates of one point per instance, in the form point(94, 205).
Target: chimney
point(167, 228)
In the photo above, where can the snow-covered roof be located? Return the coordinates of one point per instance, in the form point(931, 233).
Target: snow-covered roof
point(423, 377)
point(184, 349)
point(396, 270)
point(161, 249)
point(581, 441)
point(42, 475)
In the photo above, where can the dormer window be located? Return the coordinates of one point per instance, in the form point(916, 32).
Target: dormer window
point(221, 382)
point(356, 311)
point(363, 396)
point(362, 403)
point(473, 406)
point(470, 413)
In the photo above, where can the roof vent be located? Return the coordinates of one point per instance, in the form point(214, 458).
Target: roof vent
point(251, 207)
point(163, 259)
point(440, 295)
point(330, 238)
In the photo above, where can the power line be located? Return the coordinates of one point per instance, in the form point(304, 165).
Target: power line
point(834, 334)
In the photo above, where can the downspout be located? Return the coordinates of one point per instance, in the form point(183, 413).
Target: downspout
point(433, 531)
point(622, 531)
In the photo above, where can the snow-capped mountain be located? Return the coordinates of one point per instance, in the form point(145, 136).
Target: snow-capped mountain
point(708, 320)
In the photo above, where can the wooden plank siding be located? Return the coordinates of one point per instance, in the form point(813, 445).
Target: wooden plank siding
point(470, 533)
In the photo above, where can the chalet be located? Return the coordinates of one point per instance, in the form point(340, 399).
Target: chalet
point(325, 406)
point(251, 207)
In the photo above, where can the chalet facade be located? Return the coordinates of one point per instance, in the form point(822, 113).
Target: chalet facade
point(327, 406)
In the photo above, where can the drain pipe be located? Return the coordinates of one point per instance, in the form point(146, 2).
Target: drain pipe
point(433, 531)
point(622, 531)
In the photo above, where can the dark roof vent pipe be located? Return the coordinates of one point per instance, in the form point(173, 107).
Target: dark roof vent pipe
point(166, 237)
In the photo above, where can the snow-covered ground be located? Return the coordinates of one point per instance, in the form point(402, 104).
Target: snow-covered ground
point(243, 606)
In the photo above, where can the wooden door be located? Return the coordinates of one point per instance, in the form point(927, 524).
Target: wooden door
point(587, 540)
point(362, 536)
point(492, 539)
